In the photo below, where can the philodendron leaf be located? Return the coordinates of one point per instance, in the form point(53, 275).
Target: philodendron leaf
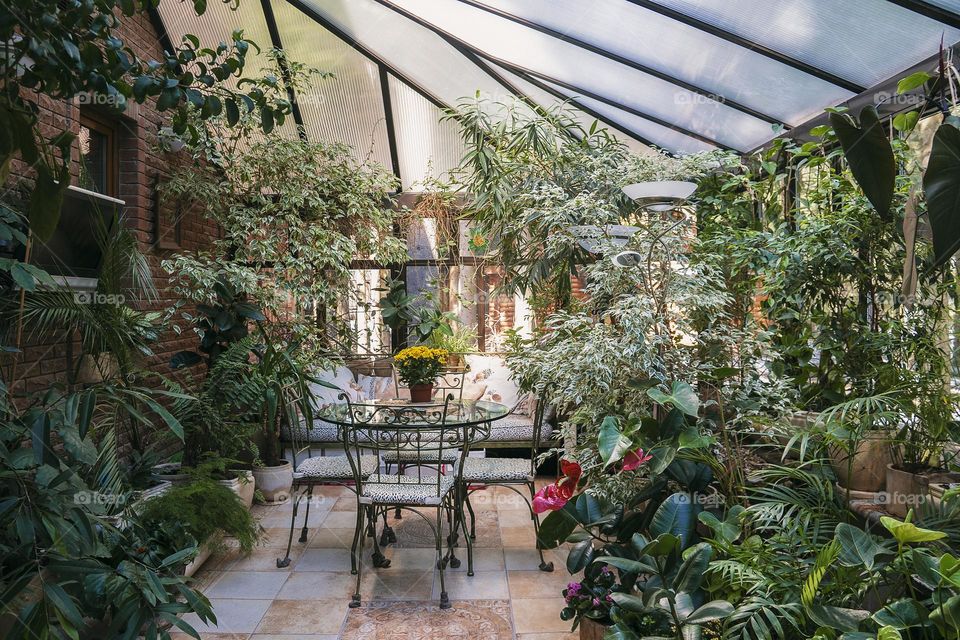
point(941, 189)
point(847, 620)
point(907, 532)
point(869, 156)
point(857, 547)
point(901, 614)
point(611, 443)
point(888, 633)
point(949, 568)
point(715, 610)
point(947, 616)
point(682, 396)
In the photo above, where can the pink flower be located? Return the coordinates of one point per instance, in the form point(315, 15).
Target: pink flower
point(634, 459)
point(554, 496)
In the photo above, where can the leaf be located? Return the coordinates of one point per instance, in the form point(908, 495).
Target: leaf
point(714, 610)
point(905, 122)
point(913, 81)
point(847, 620)
point(888, 633)
point(185, 359)
point(941, 189)
point(692, 571)
point(557, 527)
point(857, 547)
point(580, 556)
point(901, 614)
point(682, 396)
point(869, 156)
point(821, 565)
point(727, 530)
point(946, 617)
point(46, 202)
point(611, 443)
point(907, 532)
point(677, 515)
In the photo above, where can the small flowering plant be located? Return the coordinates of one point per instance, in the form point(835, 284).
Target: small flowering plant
point(591, 597)
point(420, 364)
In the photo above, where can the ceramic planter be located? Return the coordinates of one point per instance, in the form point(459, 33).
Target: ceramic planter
point(865, 469)
point(243, 485)
point(203, 553)
point(937, 489)
point(170, 472)
point(905, 490)
point(421, 392)
point(274, 483)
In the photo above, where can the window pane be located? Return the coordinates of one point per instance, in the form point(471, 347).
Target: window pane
point(94, 160)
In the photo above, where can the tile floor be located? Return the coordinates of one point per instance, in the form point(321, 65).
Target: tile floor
point(507, 598)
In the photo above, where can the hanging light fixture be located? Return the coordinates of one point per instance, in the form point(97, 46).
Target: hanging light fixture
point(626, 259)
point(665, 195)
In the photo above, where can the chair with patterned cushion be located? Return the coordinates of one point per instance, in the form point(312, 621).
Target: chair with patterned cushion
point(384, 428)
point(512, 473)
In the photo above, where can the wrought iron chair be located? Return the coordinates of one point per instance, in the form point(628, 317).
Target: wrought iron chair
point(511, 473)
point(425, 431)
point(449, 384)
point(319, 471)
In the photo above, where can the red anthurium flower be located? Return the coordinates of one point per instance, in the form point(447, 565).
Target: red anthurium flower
point(554, 496)
point(634, 459)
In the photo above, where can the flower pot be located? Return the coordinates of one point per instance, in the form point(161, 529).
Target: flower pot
point(243, 485)
point(591, 629)
point(421, 392)
point(937, 489)
point(203, 552)
point(274, 483)
point(170, 472)
point(905, 490)
point(867, 471)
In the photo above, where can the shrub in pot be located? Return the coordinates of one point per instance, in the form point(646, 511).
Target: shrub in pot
point(207, 510)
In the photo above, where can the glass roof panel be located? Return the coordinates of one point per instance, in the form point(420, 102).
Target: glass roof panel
point(414, 51)
point(217, 25)
point(593, 73)
point(661, 136)
point(547, 100)
point(684, 52)
point(426, 147)
point(866, 41)
point(346, 108)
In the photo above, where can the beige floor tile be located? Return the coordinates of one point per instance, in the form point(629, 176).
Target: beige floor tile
point(211, 636)
point(573, 635)
point(253, 585)
point(337, 520)
point(537, 584)
point(538, 615)
point(517, 538)
point(237, 616)
point(483, 585)
point(529, 560)
point(276, 537)
point(515, 518)
point(304, 617)
point(265, 559)
point(318, 585)
point(345, 503)
point(387, 584)
point(324, 538)
point(483, 560)
point(296, 636)
point(411, 559)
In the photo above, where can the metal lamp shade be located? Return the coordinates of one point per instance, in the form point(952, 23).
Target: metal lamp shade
point(660, 196)
point(591, 237)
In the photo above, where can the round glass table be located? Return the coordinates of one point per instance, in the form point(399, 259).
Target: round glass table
point(395, 413)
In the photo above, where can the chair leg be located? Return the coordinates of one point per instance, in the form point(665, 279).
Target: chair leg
point(397, 515)
point(444, 598)
point(473, 516)
point(544, 565)
point(285, 561)
point(387, 536)
point(452, 524)
point(357, 536)
point(357, 560)
point(462, 522)
point(380, 561)
point(306, 515)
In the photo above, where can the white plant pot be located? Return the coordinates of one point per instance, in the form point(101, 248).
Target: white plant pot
point(274, 483)
point(170, 472)
point(204, 552)
point(243, 485)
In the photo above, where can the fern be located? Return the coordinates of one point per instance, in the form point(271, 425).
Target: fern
point(827, 556)
point(759, 618)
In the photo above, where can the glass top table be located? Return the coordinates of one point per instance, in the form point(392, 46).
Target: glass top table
point(401, 413)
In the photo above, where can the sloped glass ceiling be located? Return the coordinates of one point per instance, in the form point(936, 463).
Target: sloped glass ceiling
point(680, 75)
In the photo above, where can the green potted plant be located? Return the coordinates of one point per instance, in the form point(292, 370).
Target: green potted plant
point(207, 510)
point(418, 368)
point(461, 339)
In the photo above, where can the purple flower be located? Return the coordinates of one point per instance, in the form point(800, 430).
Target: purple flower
point(605, 569)
point(573, 587)
point(596, 602)
point(609, 598)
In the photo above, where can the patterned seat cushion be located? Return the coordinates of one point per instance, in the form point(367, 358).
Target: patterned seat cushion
point(515, 428)
point(426, 456)
point(493, 469)
point(334, 467)
point(393, 489)
point(321, 431)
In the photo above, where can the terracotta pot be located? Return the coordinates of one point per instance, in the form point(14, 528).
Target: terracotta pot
point(905, 490)
point(591, 629)
point(274, 482)
point(868, 468)
point(421, 392)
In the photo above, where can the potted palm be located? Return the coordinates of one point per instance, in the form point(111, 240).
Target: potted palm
point(418, 368)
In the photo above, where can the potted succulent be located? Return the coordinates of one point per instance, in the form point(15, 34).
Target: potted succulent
point(418, 368)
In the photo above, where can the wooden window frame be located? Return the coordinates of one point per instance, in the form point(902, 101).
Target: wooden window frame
point(107, 128)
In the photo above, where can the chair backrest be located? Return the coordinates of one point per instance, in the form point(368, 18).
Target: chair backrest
point(539, 415)
point(420, 433)
point(450, 382)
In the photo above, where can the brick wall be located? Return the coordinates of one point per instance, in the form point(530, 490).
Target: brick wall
point(44, 360)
